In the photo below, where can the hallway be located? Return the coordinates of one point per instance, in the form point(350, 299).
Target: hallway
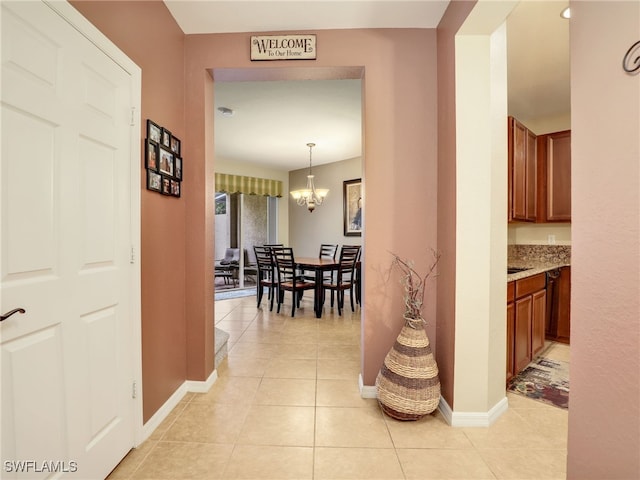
point(286, 405)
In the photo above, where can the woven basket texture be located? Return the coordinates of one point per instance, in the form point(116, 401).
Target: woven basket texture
point(408, 383)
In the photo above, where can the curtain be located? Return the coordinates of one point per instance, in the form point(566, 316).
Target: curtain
point(248, 185)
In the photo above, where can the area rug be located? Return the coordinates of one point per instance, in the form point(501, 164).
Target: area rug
point(245, 292)
point(544, 380)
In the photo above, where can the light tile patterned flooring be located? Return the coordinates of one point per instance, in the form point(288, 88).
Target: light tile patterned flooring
point(286, 405)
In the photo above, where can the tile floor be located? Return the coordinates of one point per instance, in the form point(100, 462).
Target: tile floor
point(286, 405)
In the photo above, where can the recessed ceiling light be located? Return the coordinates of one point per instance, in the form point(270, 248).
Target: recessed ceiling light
point(226, 112)
point(566, 13)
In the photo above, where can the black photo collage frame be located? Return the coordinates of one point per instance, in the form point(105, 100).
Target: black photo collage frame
point(163, 160)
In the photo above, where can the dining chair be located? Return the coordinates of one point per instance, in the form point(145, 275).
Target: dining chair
point(345, 276)
point(288, 278)
point(329, 251)
point(266, 274)
point(358, 286)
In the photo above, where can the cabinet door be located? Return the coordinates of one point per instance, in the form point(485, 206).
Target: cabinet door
point(522, 343)
point(538, 318)
point(522, 172)
point(511, 317)
point(558, 165)
point(518, 160)
point(531, 177)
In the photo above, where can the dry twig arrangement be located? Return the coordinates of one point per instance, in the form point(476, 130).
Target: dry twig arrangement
point(414, 286)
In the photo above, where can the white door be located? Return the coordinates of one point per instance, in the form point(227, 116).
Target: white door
point(67, 362)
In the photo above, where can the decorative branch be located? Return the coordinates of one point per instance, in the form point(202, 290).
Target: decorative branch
point(414, 286)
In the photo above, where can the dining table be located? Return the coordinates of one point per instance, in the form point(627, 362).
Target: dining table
point(319, 266)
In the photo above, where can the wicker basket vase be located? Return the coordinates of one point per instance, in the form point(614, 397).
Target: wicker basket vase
point(408, 384)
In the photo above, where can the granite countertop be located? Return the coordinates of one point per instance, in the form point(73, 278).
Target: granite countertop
point(536, 259)
point(533, 268)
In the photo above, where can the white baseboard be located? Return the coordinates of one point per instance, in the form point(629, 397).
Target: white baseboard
point(162, 413)
point(472, 419)
point(202, 387)
point(367, 391)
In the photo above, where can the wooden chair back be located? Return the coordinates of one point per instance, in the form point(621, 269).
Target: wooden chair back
point(328, 250)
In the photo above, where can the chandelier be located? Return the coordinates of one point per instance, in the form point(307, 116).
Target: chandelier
point(310, 196)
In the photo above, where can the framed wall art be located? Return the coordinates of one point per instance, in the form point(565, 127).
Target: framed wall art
point(154, 131)
point(174, 186)
point(151, 156)
point(177, 170)
point(352, 207)
point(154, 181)
point(166, 162)
point(175, 145)
point(165, 186)
point(163, 160)
point(166, 138)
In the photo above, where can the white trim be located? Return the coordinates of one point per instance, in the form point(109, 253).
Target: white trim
point(367, 391)
point(104, 44)
point(445, 410)
point(162, 413)
point(196, 386)
point(473, 419)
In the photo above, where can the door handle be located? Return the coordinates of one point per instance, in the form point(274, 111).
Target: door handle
point(8, 314)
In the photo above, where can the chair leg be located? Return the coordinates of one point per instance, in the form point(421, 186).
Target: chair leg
point(353, 309)
point(272, 293)
point(280, 299)
point(260, 292)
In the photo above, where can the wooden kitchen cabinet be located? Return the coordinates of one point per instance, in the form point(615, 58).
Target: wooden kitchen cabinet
point(554, 177)
point(526, 320)
point(538, 316)
point(522, 172)
point(559, 306)
point(522, 334)
point(511, 318)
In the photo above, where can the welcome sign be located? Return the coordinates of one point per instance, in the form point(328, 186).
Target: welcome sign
point(283, 47)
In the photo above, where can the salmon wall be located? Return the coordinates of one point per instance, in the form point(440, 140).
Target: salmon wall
point(148, 34)
point(399, 160)
point(604, 410)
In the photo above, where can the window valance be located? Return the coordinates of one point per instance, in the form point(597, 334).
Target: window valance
point(248, 185)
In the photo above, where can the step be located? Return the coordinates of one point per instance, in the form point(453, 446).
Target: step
point(222, 338)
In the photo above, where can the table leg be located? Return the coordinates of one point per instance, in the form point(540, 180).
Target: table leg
point(317, 294)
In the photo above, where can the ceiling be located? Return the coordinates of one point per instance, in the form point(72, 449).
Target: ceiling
point(273, 119)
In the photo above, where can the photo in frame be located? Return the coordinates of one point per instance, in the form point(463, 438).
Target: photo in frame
point(154, 131)
point(166, 186)
point(166, 138)
point(352, 207)
point(175, 188)
point(165, 163)
point(175, 145)
point(151, 156)
point(177, 168)
point(154, 181)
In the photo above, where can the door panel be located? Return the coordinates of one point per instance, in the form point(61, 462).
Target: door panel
point(522, 344)
point(31, 382)
point(538, 320)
